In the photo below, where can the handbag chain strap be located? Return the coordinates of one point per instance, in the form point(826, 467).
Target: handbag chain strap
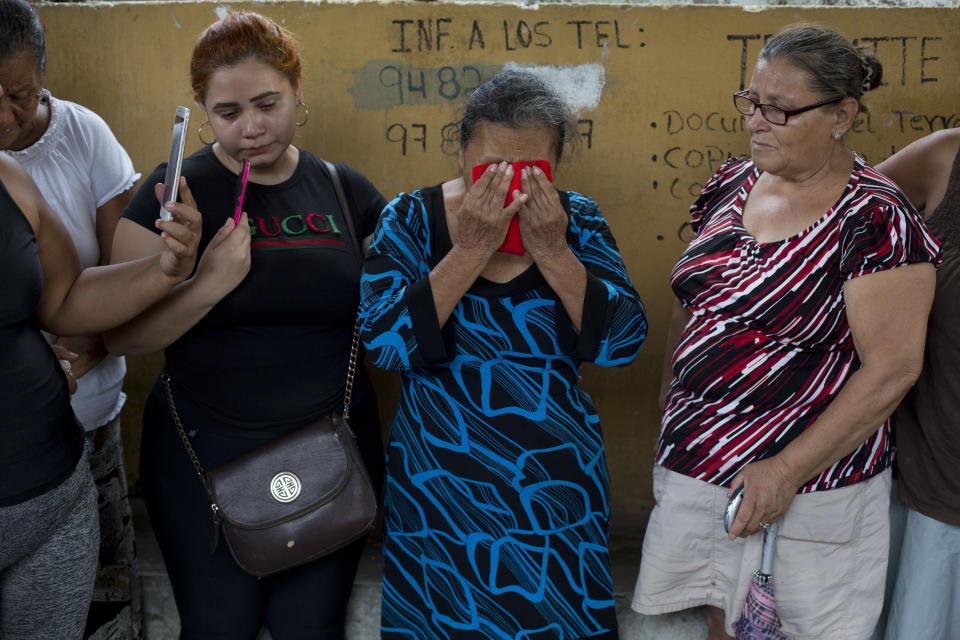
point(214, 507)
point(351, 370)
point(183, 434)
point(355, 344)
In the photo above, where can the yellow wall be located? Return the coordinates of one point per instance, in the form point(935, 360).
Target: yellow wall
point(663, 122)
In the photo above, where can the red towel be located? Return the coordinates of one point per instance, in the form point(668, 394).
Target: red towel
point(513, 243)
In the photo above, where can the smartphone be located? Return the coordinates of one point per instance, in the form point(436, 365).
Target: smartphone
point(733, 506)
point(172, 179)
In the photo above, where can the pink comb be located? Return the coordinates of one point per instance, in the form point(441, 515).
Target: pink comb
point(241, 190)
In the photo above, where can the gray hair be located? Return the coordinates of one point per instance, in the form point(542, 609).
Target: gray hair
point(20, 30)
point(518, 99)
point(837, 69)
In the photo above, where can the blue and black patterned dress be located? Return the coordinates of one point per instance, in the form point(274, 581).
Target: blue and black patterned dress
point(497, 498)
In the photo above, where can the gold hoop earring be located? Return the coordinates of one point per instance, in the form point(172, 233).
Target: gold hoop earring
point(200, 133)
point(306, 114)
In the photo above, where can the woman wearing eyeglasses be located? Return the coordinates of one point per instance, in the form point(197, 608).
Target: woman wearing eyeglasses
point(799, 325)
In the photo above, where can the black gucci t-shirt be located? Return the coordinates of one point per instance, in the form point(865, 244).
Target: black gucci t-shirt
point(273, 352)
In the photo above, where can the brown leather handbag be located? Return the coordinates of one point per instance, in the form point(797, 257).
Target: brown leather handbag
point(293, 500)
point(300, 497)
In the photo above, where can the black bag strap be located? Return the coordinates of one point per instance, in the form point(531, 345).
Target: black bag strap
point(344, 206)
point(355, 343)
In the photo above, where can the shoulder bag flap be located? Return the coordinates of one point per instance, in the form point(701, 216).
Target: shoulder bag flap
point(286, 479)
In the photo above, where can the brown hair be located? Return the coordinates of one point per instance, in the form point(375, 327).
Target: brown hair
point(837, 68)
point(236, 37)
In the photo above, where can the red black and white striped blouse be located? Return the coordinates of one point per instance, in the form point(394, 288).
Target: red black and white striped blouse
point(768, 346)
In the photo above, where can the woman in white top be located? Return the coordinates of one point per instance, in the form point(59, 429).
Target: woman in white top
point(87, 178)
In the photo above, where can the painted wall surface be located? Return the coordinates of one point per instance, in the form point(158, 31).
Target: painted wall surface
point(652, 87)
point(756, 3)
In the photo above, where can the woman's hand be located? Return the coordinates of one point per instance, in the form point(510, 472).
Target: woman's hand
point(64, 355)
point(224, 263)
point(226, 260)
point(543, 227)
point(87, 351)
point(543, 222)
point(768, 490)
point(180, 235)
point(482, 221)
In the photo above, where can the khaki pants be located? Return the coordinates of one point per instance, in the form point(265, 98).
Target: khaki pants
point(828, 570)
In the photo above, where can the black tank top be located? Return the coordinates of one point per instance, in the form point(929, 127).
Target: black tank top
point(40, 440)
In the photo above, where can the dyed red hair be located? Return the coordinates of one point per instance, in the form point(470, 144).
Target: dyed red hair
point(238, 36)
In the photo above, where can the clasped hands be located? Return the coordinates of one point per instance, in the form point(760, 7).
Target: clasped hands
point(483, 219)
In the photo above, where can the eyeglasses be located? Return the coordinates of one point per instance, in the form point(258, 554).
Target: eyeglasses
point(770, 113)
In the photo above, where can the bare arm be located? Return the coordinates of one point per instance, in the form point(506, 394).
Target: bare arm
point(922, 168)
point(76, 302)
point(89, 351)
point(482, 225)
point(453, 276)
point(567, 276)
point(108, 214)
point(224, 264)
point(887, 312)
point(543, 225)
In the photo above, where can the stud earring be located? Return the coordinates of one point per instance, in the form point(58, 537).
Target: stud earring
point(837, 134)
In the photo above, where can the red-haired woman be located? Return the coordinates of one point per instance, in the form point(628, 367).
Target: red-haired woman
point(257, 341)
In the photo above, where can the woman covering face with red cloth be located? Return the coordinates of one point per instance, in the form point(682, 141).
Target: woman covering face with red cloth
point(498, 495)
point(513, 243)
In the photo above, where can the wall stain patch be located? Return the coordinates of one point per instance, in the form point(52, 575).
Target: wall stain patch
point(580, 85)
